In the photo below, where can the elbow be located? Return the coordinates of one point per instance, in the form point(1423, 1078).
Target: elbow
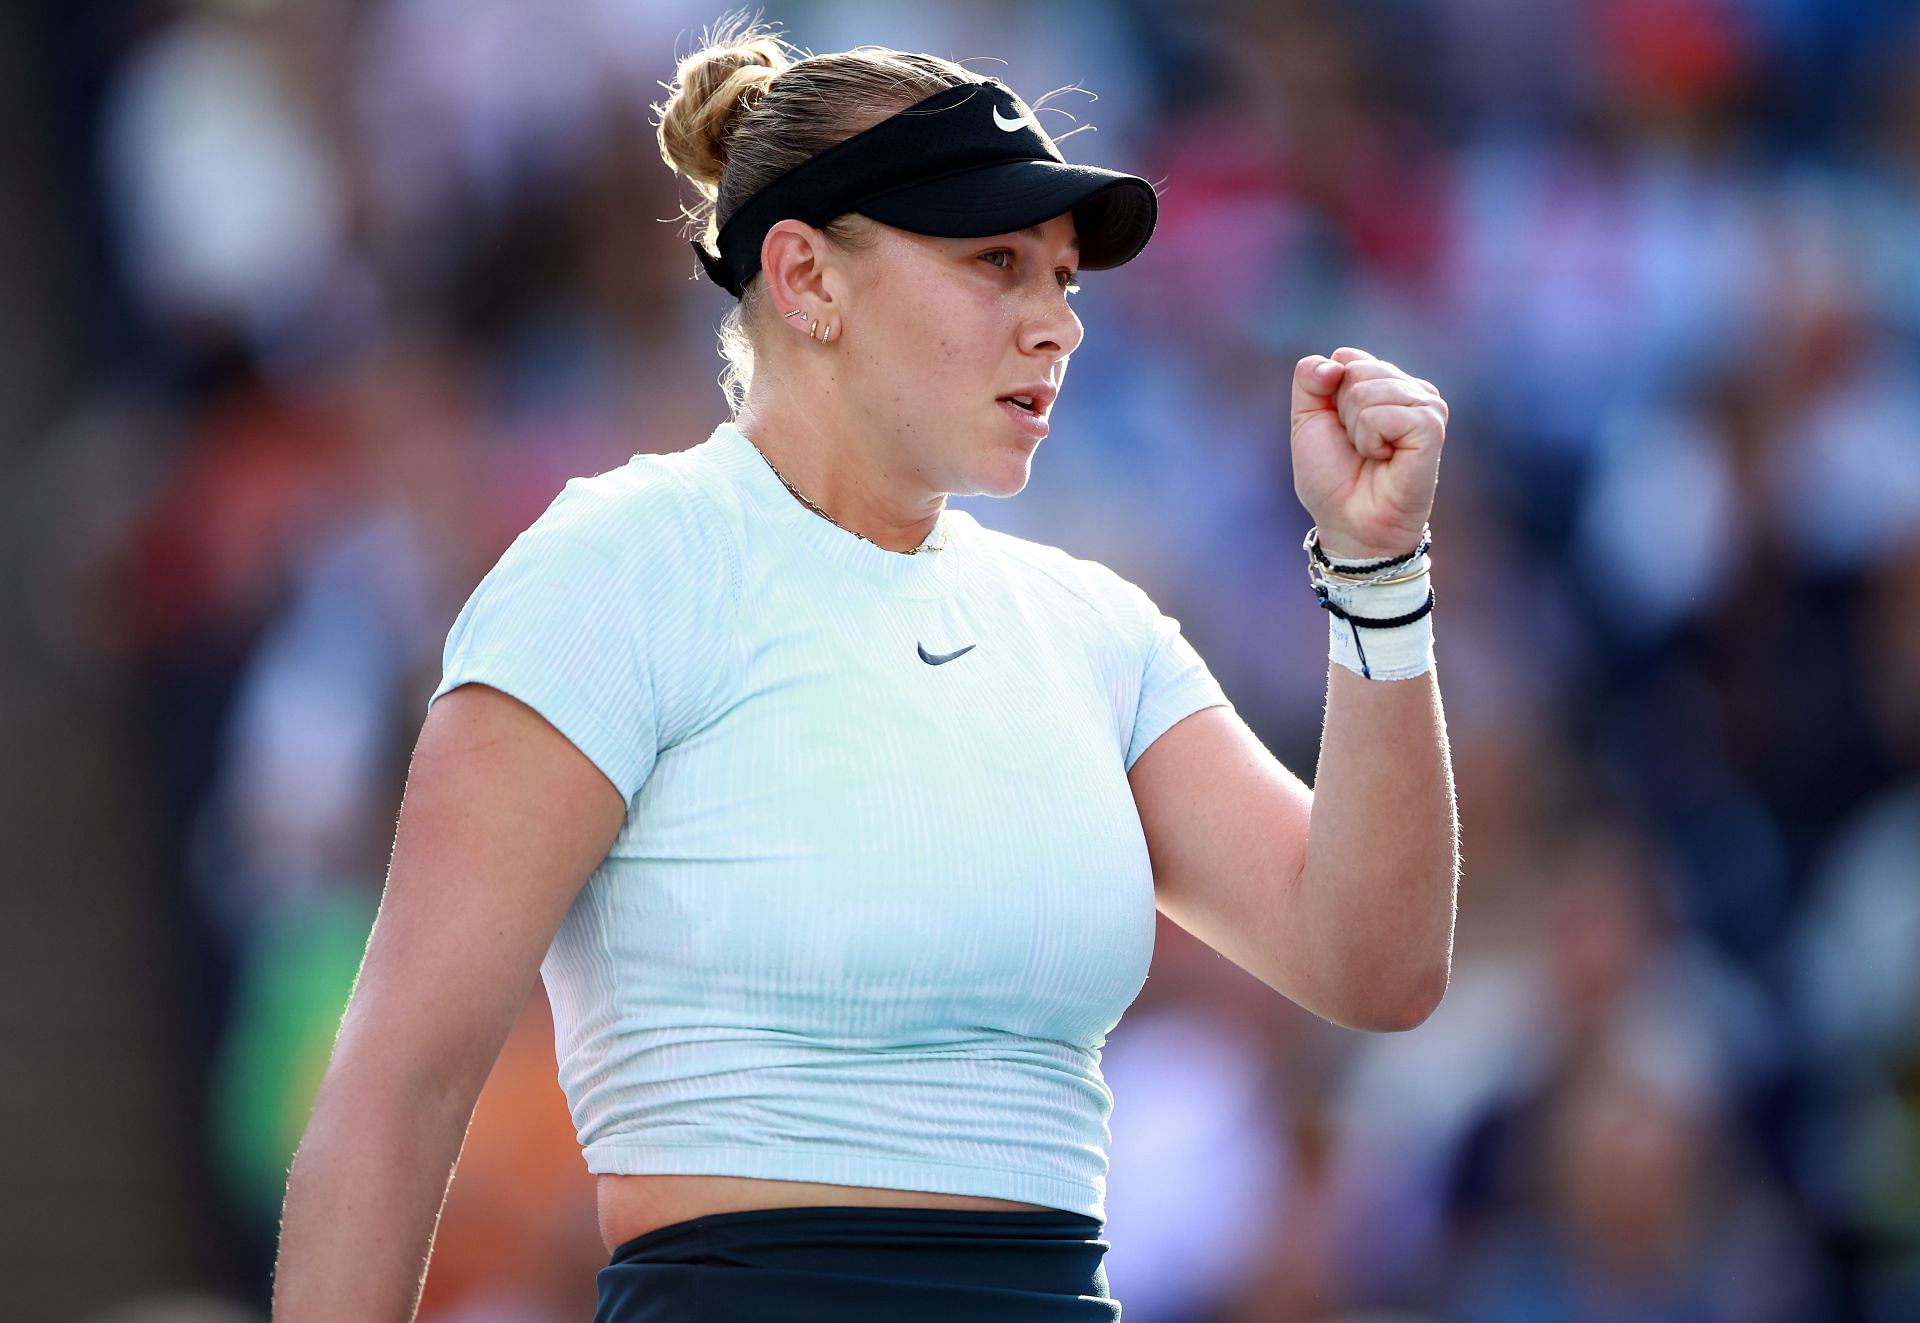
point(1408, 1010)
point(1432, 991)
point(1418, 1011)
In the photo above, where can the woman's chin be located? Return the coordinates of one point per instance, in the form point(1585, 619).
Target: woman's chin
point(1007, 475)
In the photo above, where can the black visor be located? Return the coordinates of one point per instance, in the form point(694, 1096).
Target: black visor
point(967, 161)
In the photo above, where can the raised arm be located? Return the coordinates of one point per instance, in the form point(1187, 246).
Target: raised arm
point(1342, 897)
point(502, 822)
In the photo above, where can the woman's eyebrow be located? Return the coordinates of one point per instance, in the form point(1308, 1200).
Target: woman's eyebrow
point(1038, 233)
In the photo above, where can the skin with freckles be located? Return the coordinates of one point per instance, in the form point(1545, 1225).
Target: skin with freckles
point(900, 405)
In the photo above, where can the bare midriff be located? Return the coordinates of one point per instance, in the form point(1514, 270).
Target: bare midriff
point(634, 1205)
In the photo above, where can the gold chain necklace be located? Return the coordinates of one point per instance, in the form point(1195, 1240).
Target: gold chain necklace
point(938, 546)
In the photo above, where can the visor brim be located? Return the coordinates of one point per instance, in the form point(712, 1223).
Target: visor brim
point(1114, 213)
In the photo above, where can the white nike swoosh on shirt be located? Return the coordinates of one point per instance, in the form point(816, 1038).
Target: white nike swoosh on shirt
point(1010, 125)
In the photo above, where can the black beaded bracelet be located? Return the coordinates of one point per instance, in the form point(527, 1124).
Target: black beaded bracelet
point(1313, 546)
point(1356, 623)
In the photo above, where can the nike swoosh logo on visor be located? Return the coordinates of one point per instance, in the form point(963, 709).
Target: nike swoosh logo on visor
point(1010, 125)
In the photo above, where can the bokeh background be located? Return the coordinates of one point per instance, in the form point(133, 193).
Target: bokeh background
point(306, 308)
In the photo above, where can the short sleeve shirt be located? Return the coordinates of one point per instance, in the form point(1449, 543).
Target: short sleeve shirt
point(882, 889)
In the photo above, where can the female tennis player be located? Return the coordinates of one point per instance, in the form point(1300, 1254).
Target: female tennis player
point(836, 822)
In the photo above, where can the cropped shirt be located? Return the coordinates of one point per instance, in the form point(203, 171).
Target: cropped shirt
point(882, 889)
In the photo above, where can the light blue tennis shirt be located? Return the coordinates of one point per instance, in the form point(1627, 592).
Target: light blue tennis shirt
point(882, 890)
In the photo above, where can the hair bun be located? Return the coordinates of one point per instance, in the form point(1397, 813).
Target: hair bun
point(712, 89)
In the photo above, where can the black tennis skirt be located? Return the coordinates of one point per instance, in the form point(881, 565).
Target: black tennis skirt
point(862, 1265)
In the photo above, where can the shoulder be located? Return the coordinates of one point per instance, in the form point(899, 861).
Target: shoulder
point(656, 515)
point(1094, 585)
point(647, 498)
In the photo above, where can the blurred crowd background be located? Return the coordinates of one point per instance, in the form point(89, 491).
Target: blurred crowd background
point(311, 306)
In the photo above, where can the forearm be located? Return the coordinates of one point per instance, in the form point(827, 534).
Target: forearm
point(1377, 892)
point(363, 1200)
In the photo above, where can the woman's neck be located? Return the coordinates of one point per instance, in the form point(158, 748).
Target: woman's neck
point(852, 478)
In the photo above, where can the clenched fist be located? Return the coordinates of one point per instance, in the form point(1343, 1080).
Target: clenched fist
point(1366, 452)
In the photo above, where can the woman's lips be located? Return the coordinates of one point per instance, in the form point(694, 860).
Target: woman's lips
point(1031, 424)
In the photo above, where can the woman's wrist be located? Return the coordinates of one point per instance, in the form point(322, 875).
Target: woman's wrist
point(1380, 611)
point(1341, 562)
point(1339, 549)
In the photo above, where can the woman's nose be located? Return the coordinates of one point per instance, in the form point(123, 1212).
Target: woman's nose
point(1055, 330)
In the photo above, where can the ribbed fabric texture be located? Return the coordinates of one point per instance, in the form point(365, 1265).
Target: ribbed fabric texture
point(870, 919)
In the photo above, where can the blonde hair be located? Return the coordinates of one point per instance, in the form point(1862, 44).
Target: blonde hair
point(748, 107)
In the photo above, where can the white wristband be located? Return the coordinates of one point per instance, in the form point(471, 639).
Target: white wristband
point(1400, 652)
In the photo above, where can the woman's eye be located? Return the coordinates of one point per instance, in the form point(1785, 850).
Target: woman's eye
point(1069, 283)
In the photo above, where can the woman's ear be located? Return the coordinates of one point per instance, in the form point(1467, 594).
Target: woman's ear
point(794, 261)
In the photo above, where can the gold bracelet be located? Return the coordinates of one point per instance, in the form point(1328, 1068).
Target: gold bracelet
point(1315, 567)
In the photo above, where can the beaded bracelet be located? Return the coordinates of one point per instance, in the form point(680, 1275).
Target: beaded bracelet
point(1347, 571)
